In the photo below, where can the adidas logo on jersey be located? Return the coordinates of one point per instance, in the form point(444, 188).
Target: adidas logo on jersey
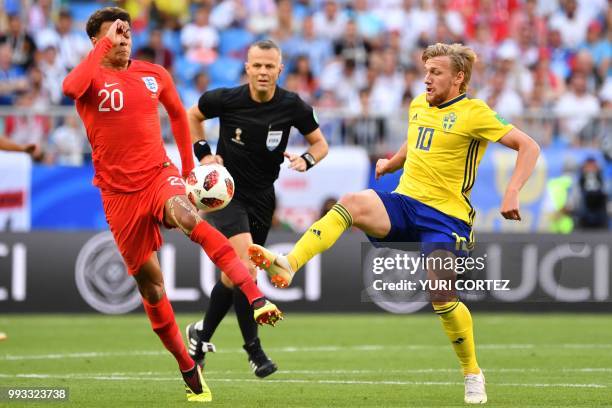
point(316, 232)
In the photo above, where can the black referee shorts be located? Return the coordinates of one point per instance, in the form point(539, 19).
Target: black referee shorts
point(246, 213)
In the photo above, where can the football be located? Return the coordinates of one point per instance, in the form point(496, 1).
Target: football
point(210, 187)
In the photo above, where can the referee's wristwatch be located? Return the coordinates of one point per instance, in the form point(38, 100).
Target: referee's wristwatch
point(309, 159)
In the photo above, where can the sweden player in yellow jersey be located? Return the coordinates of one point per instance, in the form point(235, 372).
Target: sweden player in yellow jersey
point(447, 136)
point(445, 145)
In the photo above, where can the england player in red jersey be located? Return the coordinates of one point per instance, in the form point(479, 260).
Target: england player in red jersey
point(117, 99)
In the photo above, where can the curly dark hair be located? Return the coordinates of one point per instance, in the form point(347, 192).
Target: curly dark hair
point(103, 15)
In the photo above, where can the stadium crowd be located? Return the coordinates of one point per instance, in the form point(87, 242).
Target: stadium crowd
point(544, 65)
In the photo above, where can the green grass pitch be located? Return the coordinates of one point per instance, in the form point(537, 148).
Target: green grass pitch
point(376, 360)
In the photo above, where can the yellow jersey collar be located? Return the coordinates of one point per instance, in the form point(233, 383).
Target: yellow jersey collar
point(449, 103)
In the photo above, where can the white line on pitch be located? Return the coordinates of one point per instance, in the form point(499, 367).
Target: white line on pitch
point(322, 349)
point(379, 371)
point(298, 381)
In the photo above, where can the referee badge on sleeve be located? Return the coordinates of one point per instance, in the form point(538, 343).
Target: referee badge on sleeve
point(274, 139)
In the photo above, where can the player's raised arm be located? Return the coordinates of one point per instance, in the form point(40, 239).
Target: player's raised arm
point(79, 79)
point(385, 166)
point(178, 121)
point(528, 152)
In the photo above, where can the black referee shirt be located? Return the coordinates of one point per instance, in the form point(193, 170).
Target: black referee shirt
point(254, 135)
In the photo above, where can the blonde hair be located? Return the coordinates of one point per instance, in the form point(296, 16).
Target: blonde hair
point(462, 59)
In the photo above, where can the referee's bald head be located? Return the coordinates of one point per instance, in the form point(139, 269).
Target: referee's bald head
point(266, 45)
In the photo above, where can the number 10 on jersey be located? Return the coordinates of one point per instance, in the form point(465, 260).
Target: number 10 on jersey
point(424, 138)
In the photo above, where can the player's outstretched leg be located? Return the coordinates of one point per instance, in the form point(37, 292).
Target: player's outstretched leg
point(159, 310)
point(320, 236)
point(457, 323)
point(179, 212)
point(222, 254)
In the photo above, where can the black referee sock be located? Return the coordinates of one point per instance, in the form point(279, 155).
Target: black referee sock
point(244, 314)
point(220, 302)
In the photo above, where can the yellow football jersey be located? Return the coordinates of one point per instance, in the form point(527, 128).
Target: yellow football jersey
point(445, 145)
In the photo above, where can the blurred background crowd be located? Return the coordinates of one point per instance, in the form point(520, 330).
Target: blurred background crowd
point(544, 65)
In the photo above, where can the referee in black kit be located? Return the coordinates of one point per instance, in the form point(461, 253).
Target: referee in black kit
point(255, 122)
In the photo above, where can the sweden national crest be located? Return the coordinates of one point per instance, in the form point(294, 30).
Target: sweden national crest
point(448, 121)
point(150, 83)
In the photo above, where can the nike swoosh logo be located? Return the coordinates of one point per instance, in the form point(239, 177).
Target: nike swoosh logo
point(106, 85)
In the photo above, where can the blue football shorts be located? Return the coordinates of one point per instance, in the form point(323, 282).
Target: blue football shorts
point(413, 221)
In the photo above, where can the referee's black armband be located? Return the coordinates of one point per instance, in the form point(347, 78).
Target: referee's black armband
point(309, 159)
point(201, 148)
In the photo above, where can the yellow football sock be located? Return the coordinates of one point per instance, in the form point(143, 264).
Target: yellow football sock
point(320, 236)
point(457, 323)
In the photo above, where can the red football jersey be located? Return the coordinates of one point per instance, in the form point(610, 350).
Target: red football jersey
point(120, 113)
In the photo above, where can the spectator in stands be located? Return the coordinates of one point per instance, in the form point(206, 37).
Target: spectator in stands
point(261, 16)
point(54, 72)
point(41, 94)
point(199, 38)
point(161, 54)
point(583, 63)
point(369, 25)
point(591, 211)
point(552, 86)
point(576, 109)
point(571, 24)
point(412, 22)
point(66, 143)
point(190, 95)
point(72, 45)
point(527, 44)
point(388, 87)
point(528, 15)
point(557, 204)
point(600, 48)
point(344, 78)
point(352, 45)
point(366, 129)
point(309, 43)
point(39, 15)
point(452, 19)
point(307, 83)
point(31, 128)
point(22, 44)
point(172, 10)
point(330, 22)
point(559, 55)
point(145, 53)
point(12, 77)
point(537, 118)
point(228, 13)
point(286, 25)
point(500, 97)
point(518, 76)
